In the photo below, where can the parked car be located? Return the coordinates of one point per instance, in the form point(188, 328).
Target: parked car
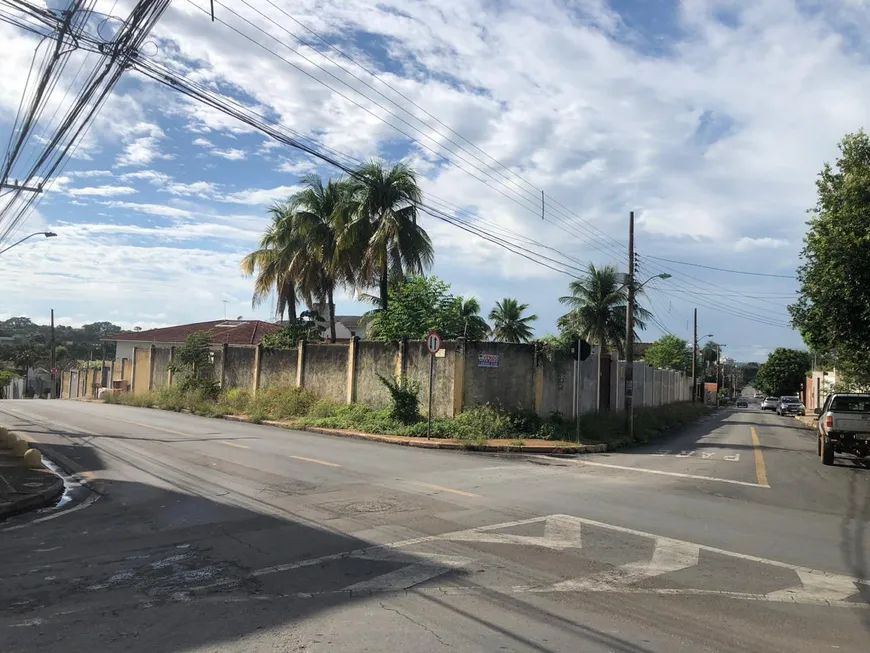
point(790, 406)
point(742, 403)
point(769, 403)
point(844, 426)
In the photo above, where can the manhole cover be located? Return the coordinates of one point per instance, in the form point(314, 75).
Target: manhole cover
point(369, 506)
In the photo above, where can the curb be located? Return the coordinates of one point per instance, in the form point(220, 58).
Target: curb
point(429, 444)
point(46, 497)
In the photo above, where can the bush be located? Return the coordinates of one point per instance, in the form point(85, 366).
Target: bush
point(324, 408)
point(282, 402)
point(485, 422)
point(235, 401)
point(404, 393)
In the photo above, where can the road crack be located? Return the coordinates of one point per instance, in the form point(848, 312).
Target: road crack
point(416, 623)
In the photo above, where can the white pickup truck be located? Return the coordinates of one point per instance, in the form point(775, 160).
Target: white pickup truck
point(844, 426)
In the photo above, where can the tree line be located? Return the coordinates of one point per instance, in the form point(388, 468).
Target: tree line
point(360, 233)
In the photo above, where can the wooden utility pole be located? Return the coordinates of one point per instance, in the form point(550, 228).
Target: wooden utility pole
point(629, 334)
point(695, 360)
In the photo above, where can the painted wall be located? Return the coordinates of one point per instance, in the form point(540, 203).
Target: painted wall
point(160, 373)
point(510, 382)
point(141, 378)
point(417, 370)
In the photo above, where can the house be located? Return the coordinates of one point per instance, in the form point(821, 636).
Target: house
point(223, 332)
point(346, 326)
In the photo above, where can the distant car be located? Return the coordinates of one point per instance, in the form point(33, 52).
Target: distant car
point(790, 406)
point(742, 403)
point(769, 403)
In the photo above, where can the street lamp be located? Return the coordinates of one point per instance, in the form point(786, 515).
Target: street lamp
point(47, 234)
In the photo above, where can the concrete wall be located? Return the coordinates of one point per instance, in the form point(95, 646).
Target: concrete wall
point(325, 371)
point(278, 367)
point(417, 369)
point(510, 384)
point(159, 371)
point(141, 372)
point(374, 358)
point(237, 369)
point(651, 387)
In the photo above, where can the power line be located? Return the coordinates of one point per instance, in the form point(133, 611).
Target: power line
point(709, 267)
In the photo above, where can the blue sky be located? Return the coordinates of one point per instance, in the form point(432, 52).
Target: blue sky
point(709, 119)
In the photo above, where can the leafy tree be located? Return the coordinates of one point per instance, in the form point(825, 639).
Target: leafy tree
point(783, 373)
point(320, 260)
point(192, 363)
point(508, 322)
point(474, 326)
point(382, 227)
point(306, 327)
point(833, 308)
point(271, 264)
point(749, 372)
point(670, 353)
point(598, 305)
point(416, 307)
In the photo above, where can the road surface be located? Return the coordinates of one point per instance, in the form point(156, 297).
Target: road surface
point(211, 535)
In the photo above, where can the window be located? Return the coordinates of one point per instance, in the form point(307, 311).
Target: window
point(850, 405)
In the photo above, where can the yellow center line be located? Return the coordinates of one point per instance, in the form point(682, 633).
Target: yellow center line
point(233, 444)
point(315, 461)
point(760, 470)
point(440, 488)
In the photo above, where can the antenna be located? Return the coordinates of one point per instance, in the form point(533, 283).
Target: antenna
point(225, 308)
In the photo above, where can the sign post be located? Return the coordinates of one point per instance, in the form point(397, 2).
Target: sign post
point(433, 345)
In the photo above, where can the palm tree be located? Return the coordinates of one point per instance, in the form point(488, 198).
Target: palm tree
point(271, 263)
point(381, 228)
point(508, 323)
point(474, 326)
point(318, 216)
point(598, 306)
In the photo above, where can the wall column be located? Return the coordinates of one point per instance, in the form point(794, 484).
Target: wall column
point(258, 362)
point(300, 365)
point(169, 375)
point(224, 349)
point(351, 369)
point(539, 382)
point(133, 371)
point(150, 383)
point(402, 358)
point(459, 375)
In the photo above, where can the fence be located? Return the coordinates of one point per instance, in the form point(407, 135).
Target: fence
point(516, 377)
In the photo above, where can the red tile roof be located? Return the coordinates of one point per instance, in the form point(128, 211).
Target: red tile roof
point(230, 332)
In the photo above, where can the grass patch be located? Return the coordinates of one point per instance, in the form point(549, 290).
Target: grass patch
point(473, 427)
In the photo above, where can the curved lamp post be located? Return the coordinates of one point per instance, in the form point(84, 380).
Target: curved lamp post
point(47, 234)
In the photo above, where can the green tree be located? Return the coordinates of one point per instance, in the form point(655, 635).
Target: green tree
point(416, 307)
point(271, 264)
point(783, 373)
point(381, 227)
point(670, 353)
point(474, 326)
point(319, 217)
point(192, 364)
point(306, 327)
point(508, 322)
point(598, 305)
point(749, 372)
point(833, 308)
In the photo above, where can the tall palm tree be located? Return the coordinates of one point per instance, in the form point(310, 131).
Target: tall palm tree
point(271, 263)
point(508, 322)
point(382, 229)
point(318, 214)
point(598, 306)
point(474, 326)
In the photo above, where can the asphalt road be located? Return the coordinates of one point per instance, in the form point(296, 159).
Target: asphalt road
point(210, 535)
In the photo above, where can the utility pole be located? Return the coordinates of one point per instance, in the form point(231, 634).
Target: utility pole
point(695, 360)
point(629, 334)
point(718, 372)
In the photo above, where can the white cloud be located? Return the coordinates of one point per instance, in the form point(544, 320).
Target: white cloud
point(151, 209)
point(87, 174)
point(264, 196)
point(297, 167)
point(231, 154)
point(152, 176)
point(202, 189)
point(747, 244)
point(202, 142)
point(142, 147)
point(101, 191)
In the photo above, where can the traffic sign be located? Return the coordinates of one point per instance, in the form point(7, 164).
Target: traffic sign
point(433, 342)
point(54, 371)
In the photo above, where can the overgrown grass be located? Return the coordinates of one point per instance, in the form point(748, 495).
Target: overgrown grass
point(474, 426)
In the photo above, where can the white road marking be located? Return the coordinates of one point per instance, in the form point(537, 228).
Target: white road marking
point(707, 454)
point(644, 470)
point(662, 452)
point(559, 534)
point(817, 587)
point(685, 454)
point(734, 458)
point(426, 567)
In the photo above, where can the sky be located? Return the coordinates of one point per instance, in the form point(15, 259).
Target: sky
point(709, 119)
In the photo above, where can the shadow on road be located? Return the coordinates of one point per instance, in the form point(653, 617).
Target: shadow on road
point(854, 545)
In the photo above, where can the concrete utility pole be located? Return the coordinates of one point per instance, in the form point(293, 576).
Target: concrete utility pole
point(695, 359)
point(53, 360)
point(629, 333)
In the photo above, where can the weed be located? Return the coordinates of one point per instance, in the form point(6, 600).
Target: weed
point(405, 400)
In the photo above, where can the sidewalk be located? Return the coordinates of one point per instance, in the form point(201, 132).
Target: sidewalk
point(22, 488)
